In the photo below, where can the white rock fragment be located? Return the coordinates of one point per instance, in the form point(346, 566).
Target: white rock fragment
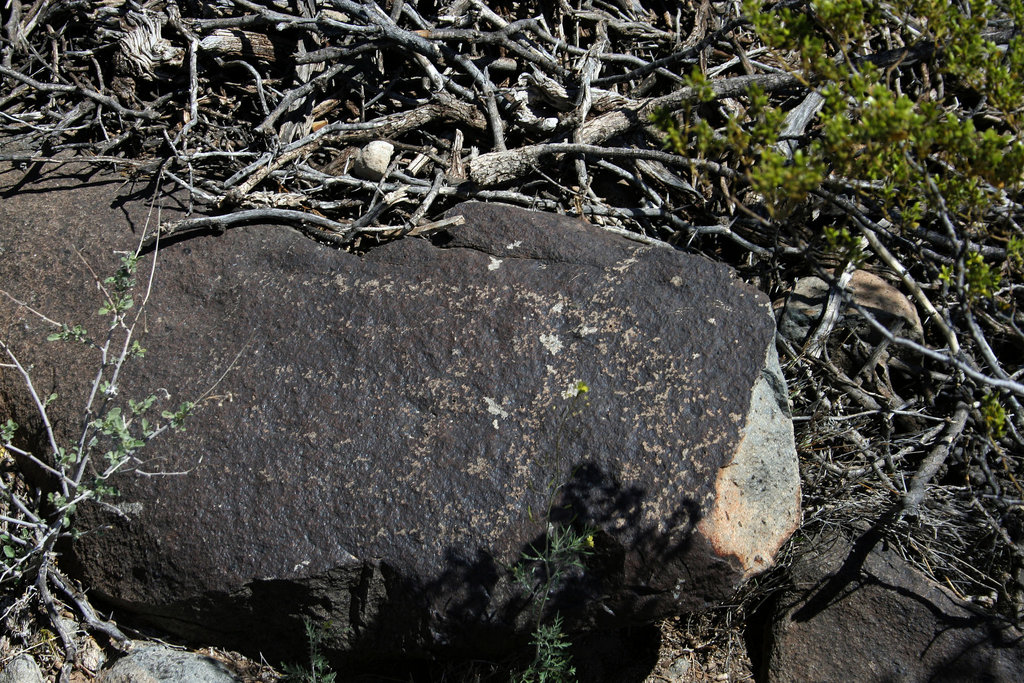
point(372, 161)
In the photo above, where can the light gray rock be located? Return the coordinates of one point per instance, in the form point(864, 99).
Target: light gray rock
point(372, 161)
point(164, 665)
point(21, 669)
point(758, 494)
point(680, 670)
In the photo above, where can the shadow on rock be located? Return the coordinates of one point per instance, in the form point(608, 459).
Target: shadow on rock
point(883, 621)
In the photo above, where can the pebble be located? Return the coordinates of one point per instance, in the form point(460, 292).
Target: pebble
point(372, 161)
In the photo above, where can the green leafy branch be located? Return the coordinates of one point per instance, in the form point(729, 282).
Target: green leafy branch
point(113, 432)
point(319, 669)
point(109, 440)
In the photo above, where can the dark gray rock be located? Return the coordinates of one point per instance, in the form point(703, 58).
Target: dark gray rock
point(379, 453)
point(165, 665)
point(859, 612)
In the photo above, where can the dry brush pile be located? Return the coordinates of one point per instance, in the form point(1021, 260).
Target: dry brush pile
point(787, 139)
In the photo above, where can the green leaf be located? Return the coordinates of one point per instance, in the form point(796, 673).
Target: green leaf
point(7, 430)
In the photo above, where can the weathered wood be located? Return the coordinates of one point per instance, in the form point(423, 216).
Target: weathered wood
point(500, 167)
point(228, 42)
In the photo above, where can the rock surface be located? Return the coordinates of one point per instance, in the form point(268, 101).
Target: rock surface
point(21, 669)
point(861, 613)
point(375, 435)
point(165, 665)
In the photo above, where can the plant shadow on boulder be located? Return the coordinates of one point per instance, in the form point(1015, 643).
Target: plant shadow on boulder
point(480, 619)
point(609, 607)
point(374, 621)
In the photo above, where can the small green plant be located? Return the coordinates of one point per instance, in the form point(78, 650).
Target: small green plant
point(845, 245)
point(319, 669)
point(111, 438)
point(916, 155)
point(993, 415)
point(980, 280)
point(1015, 252)
point(552, 662)
point(545, 566)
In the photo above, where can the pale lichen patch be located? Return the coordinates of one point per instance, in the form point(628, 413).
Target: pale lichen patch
point(495, 409)
point(341, 282)
point(625, 264)
point(494, 264)
point(133, 508)
point(551, 342)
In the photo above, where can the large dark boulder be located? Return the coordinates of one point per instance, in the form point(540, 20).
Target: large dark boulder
point(376, 435)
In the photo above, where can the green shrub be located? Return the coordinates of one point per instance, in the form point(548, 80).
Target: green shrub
point(81, 469)
point(914, 153)
point(544, 567)
point(319, 669)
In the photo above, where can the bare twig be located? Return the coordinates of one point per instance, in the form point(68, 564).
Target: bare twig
point(930, 466)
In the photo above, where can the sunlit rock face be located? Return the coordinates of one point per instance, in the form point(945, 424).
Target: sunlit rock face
point(378, 439)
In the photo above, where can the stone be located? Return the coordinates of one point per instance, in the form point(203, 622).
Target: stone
point(376, 436)
point(680, 669)
point(757, 496)
point(805, 303)
point(860, 612)
point(160, 664)
point(372, 161)
point(90, 655)
point(21, 669)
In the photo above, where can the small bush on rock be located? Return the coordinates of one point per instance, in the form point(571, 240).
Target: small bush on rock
point(114, 431)
point(318, 670)
point(545, 566)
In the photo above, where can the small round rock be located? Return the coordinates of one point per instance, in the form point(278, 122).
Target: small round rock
point(372, 161)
